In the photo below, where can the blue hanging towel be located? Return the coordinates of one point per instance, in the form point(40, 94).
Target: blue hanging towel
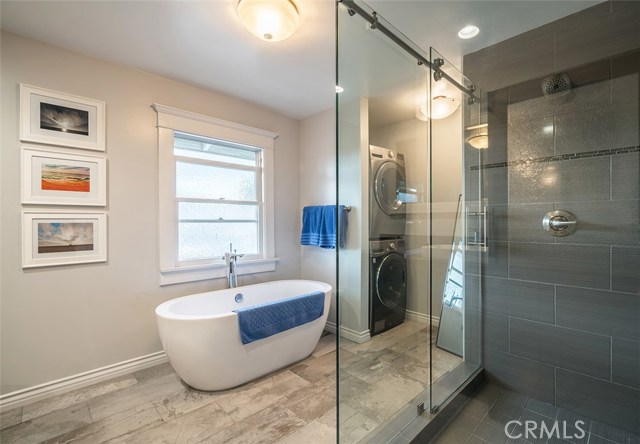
point(311, 221)
point(328, 227)
point(319, 226)
point(264, 320)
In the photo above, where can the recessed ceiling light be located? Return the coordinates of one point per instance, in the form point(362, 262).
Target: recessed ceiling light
point(468, 32)
point(339, 89)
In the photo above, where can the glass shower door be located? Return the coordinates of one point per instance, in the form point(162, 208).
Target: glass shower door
point(382, 270)
point(457, 230)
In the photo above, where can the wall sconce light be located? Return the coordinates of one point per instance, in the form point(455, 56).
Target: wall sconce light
point(441, 108)
point(269, 20)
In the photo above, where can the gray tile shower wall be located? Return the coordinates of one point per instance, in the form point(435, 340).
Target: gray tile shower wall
point(562, 314)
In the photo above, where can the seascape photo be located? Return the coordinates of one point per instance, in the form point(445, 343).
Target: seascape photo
point(64, 119)
point(55, 177)
point(63, 237)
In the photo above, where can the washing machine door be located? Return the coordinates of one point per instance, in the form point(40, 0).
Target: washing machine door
point(391, 281)
point(389, 187)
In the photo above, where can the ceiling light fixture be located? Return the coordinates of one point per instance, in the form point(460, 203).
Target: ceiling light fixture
point(422, 113)
point(479, 141)
point(269, 20)
point(442, 107)
point(468, 32)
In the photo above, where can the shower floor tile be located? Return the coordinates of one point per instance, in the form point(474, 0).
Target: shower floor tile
point(490, 419)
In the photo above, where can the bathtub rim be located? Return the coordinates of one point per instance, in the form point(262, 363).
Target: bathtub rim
point(163, 310)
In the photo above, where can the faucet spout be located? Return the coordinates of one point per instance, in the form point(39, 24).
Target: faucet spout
point(230, 261)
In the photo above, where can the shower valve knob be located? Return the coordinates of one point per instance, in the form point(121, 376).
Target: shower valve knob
point(559, 223)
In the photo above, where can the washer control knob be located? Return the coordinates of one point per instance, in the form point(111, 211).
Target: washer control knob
point(392, 246)
point(390, 154)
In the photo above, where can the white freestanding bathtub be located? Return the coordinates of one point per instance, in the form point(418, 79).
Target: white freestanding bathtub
point(201, 336)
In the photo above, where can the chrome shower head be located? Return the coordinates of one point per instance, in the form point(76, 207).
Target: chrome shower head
point(557, 84)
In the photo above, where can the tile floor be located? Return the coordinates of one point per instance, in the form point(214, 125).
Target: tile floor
point(292, 406)
point(484, 418)
point(296, 405)
point(380, 376)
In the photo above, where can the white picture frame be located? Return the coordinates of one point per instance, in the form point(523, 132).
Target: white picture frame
point(57, 178)
point(63, 238)
point(55, 118)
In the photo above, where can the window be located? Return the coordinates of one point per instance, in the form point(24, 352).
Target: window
point(216, 189)
point(219, 198)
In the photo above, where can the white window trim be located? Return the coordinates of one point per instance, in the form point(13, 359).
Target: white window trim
point(172, 119)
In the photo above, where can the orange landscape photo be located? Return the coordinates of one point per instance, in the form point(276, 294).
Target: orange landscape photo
point(65, 178)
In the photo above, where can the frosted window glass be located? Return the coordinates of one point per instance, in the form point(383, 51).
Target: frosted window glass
point(217, 150)
point(211, 240)
point(212, 211)
point(208, 182)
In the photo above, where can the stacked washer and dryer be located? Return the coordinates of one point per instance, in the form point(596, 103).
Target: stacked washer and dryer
point(387, 224)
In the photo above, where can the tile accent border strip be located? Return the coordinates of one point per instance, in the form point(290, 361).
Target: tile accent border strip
point(74, 382)
point(572, 156)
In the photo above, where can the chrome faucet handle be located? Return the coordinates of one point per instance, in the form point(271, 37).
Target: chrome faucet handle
point(234, 255)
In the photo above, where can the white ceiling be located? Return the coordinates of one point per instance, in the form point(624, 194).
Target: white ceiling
point(203, 42)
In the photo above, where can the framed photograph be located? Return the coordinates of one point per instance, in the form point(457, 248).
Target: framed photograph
point(61, 119)
point(54, 178)
point(63, 238)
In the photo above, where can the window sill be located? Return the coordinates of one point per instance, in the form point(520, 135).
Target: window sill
point(214, 271)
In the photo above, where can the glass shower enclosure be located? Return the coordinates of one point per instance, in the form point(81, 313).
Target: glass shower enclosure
point(408, 287)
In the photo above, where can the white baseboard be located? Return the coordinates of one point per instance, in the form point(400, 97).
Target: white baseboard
point(364, 336)
point(330, 327)
point(70, 383)
point(355, 336)
point(422, 318)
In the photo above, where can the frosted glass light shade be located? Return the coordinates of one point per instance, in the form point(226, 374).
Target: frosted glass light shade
point(479, 141)
point(422, 113)
point(269, 20)
point(442, 107)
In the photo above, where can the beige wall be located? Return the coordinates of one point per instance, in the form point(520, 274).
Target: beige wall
point(353, 190)
point(318, 187)
point(60, 321)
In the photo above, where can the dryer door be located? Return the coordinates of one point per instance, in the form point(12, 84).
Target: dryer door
point(391, 281)
point(389, 186)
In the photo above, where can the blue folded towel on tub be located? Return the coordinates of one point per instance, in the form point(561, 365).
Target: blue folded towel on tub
point(264, 320)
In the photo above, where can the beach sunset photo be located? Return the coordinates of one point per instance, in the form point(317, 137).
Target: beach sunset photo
point(62, 237)
point(65, 178)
